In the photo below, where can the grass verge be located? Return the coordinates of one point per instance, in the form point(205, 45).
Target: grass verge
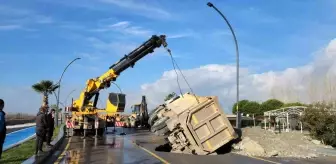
point(24, 151)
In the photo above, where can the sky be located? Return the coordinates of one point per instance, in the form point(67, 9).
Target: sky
point(287, 49)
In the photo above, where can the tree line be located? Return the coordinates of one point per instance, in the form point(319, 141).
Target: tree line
point(254, 107)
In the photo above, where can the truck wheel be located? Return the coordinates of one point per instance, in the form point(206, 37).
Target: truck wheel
point(159, 124)
point(153, 115)
point(154, 110)
point(162, 131)
point(152, 119)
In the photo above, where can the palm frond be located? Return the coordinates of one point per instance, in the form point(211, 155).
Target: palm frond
point(38, 88)
point(47, 84)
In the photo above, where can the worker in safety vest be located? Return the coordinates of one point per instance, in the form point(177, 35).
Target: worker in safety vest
point(69, 124)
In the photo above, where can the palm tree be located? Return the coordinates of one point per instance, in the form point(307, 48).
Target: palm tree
point(45, 87)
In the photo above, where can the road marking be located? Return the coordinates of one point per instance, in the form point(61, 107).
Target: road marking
point(63, 153)
point(259, 158)
point(151, 153)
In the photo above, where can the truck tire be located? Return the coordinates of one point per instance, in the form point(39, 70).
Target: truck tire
point(153, 115)
point(152, 111)
point(159, 124)
point(162, 131)
point(152, 119)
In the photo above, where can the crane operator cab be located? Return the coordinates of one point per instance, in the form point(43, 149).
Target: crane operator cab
point(136, 110)
point(116, 103)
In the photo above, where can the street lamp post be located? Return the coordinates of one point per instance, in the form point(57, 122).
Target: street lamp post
point(59, 88)
point(66, 99)
point(237, 60)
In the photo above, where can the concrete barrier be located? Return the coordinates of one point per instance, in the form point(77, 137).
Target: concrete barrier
point(42, 158)
point(20, 125)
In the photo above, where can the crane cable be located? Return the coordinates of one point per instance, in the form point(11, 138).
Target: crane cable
point(118, 101)
point(178, 83)
point(177, 77)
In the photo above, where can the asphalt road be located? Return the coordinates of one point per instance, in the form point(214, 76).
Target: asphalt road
point(139, 147)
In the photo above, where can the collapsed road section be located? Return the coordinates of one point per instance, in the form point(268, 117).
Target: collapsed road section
point(192, 124)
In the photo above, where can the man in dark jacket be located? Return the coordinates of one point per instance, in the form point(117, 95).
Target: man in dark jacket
point(41, 128)
point(2, 125)
point(51, 124)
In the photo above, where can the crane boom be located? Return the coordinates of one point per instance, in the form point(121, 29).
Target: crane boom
point(93, 86)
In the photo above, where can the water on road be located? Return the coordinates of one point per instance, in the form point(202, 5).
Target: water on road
point(139, 148)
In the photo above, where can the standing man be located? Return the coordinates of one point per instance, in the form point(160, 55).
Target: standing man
point(41, 127)
point(51, 124)
point(2, 125)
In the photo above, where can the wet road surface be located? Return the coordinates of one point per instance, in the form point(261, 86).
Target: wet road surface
point(139, 147)
point(111, 149)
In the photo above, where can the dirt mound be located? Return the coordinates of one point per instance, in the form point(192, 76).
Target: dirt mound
point(260, 142)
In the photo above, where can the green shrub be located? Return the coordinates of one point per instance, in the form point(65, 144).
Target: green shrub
point(320, 119)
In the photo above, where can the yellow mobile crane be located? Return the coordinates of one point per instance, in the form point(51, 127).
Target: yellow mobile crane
point(85, 114)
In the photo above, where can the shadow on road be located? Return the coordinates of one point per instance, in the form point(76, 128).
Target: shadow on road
point(222, 150)
point(164, 148)
point(228, 147)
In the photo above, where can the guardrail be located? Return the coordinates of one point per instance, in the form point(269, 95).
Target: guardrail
point(37, 159)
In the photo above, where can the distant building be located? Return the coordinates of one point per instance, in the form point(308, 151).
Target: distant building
point(246, 120)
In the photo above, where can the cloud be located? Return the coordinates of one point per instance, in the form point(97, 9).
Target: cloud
point(12, 27)
point(43, 19)
point(23, 17)
point(141, 8)
point(181, 35)
point(9, 27)
point(118, 47)
point(88, 56)
point(186, 33)
point(126, 28)
point(7, 10)
point(177, 36)
point(311, 82)
point(122, 24)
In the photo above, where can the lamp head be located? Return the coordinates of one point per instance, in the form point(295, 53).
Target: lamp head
point(210, 4)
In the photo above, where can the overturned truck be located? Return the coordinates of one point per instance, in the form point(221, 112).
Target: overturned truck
point(192, 124)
